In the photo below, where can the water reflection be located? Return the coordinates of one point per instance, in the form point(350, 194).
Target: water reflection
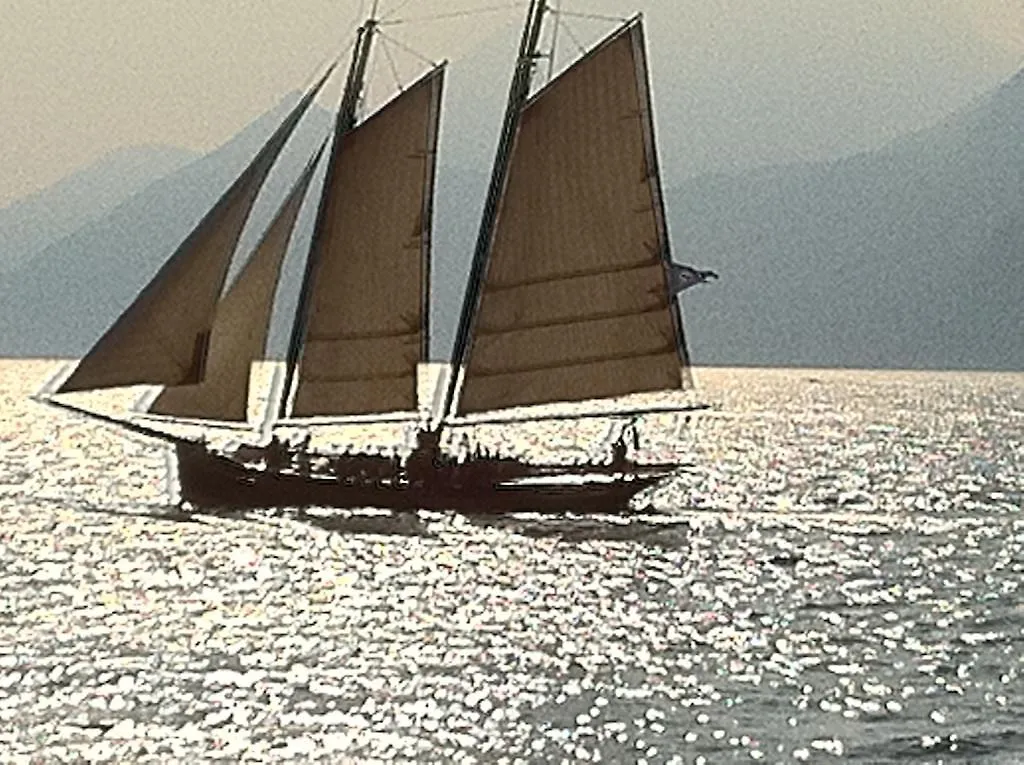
point(839, 579)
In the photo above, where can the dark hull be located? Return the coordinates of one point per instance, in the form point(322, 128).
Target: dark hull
point(210, 480)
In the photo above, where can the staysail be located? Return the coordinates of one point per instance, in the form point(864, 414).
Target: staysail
point(238, 337)
point(364, 330)
point(162, 338)
point(574, 303)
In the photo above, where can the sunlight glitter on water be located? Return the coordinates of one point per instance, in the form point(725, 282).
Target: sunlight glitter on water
point(837, 578)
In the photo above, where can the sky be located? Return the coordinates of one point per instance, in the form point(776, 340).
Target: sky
point(737, 83)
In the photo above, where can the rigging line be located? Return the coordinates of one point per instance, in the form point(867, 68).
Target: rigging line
point(391, 63)
point(341, 55)
point(568, 30)
point(406, 48)
point(399, 8)
point(593, 16)
point(374, 64)
point(452, 15)
point(354, 24)
point(554, 8)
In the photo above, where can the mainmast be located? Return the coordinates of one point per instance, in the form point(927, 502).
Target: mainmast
point(519, 93)
point(345, 122)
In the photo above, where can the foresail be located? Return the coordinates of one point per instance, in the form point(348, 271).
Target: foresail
point(238, 337)
point(574, 304)
point(365, 327)
point(163, 336)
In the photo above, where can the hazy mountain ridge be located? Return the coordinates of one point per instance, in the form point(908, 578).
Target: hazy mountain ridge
point(61, 300)
point(30, 224)
point(910, 256)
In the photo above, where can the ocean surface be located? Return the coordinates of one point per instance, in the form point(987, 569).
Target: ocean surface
point(837, 578)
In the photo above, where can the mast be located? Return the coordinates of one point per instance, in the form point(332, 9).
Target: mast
point(345, 122)
point(519, 93)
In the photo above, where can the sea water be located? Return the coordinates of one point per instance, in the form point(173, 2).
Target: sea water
point(838, 577)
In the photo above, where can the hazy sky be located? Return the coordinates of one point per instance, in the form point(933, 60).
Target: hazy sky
point(737, 82)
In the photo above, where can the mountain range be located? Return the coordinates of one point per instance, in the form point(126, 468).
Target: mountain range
point(36, 221)
point(911, 256)
point(907, 257)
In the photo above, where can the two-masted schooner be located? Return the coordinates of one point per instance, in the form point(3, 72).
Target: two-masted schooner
point(568, 300)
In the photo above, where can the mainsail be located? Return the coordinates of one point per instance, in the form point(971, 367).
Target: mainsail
point(364, 330)
point(573, 302)
point(162, 338)
point(241, 325)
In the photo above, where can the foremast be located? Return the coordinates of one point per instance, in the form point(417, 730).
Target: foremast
point(384, 163)
point(345, 122)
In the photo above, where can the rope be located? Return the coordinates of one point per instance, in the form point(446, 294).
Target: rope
point(406, 48)
point(593, 16)
point(568, 30)
point(345, 51)
point(559, 12)
point(401, 6)
point(452, 15)
point(391, 63)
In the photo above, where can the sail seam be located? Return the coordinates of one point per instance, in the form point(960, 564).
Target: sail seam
point(566, 364)
point(569, 276)
point(377, 335)
point(310, 379)
point(571, 320)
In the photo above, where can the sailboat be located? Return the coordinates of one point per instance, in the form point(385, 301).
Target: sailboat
point(568, 303)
